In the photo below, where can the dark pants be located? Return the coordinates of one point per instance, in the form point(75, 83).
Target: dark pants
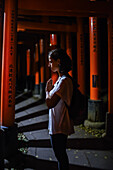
point(58, 142)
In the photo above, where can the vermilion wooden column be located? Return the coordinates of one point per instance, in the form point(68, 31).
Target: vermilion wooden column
point(94, 103)
point(27, 70)
point(69, 47)
point(53, 45)
point(1, 33)
point(9, 64)
point(37, 80)
point(53, 40)
point(47, 72)
point(42, 76)
point(32, 59)
point(1, 40)
point(28, 61)
point(81, 56)
point(109, 120)
point(42, 60)
point(94, 59)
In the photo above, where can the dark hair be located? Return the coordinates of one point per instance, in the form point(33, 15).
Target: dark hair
point(65, 61)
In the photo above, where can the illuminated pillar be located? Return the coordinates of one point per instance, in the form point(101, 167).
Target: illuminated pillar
point(42, 77)
point(1, 33)
point(81, 57)
point(27, 71)
point(94, 103)
point(53, 40)
point(69, 47)
point(109, 120)
point(48, 71)
point(94, 60)
point(53, 45)
point(28, 62)
point(37, 80)
point(9, 64)
point(8, 80)
point(1, 38)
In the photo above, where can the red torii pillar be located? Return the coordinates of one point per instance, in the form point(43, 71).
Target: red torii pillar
point(94, 60)
point(109, 119)
point(53, 45)
point(42, 76)
point(28, 62)
point(47, 72)
point(9, 64)
point(1, 33)
point(94, 103)
point(69, 47)
point(81, 56)
point(8, 79)
point(1, 28)
point(37, 78)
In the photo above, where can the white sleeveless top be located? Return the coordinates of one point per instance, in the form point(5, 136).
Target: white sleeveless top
point(59, 121)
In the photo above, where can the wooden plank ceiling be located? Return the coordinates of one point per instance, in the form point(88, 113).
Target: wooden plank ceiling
point(60, 15)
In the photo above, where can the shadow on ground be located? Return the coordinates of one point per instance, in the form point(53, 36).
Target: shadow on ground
point(91, 144)
point(21, 161)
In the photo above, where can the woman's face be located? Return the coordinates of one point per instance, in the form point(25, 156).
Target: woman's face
point(54, 64)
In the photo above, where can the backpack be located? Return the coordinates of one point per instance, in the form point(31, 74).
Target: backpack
point(77, 108)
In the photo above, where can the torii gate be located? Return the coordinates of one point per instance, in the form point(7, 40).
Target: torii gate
point(8, 79)
point(9, 51)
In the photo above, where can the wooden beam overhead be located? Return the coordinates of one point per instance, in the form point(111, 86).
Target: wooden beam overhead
point(65, 7)
point(26, 25)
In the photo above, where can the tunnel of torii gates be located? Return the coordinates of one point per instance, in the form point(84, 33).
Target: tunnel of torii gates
point(37, 62)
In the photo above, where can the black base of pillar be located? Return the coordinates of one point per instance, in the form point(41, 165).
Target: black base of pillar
point(9, 141)
point(1, 164)
point(109, 125)
point(42, 90)
point(28, 81)
point(95, 111)
point(1, 149)
point(36, 92)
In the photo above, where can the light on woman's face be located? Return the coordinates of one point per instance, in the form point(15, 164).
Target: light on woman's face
point(49, 61)
point(53, 64)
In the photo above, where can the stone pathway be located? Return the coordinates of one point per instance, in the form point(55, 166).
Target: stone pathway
point(84, 150)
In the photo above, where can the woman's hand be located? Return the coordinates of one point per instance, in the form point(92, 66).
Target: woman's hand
point(49, 85)
point(51, 101)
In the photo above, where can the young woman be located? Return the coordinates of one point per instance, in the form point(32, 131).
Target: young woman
point(57, 99)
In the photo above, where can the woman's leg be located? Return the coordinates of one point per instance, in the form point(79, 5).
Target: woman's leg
point(58, 142)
